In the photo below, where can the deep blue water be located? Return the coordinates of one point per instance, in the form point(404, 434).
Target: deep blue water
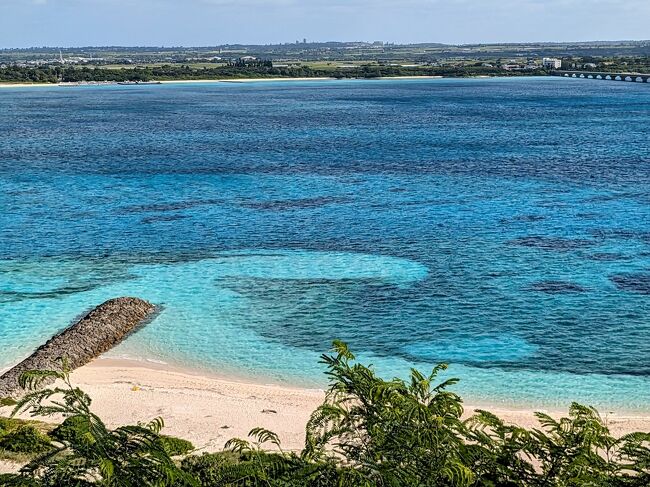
point(502, 225)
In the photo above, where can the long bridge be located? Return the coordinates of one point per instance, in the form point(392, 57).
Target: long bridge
point(629, 77)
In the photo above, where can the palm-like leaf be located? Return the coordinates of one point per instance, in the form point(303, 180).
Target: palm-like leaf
point(126, 456)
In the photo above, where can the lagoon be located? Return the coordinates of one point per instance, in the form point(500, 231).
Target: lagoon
point(500, 225)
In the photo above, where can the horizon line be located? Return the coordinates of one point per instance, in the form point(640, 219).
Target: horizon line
point(293, 43)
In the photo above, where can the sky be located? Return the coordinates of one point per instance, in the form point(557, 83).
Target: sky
point(69, 23)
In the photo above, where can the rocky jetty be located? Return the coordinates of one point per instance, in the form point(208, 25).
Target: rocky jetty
point(97, 332)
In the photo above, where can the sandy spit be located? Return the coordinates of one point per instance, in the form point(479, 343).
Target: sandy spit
point(25, 85)
point(241, 80)
point(199, 81)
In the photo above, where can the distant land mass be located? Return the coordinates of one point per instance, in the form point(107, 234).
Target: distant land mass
point(303, 59)
point(303, 50)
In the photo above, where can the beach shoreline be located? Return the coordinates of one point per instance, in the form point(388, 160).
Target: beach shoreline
point(27, 85)
point(184, 398)
point(209, 410)
point(163, 380)
point(218, 80)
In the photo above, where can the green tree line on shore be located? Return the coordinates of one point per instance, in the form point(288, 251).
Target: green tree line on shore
point(71, 74)
point(368, 432)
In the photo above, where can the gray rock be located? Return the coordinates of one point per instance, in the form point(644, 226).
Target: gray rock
point(95, 333)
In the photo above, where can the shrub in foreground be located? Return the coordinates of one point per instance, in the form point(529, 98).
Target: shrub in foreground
point(73, 429)
point(209, 468)
point(25, 439)
point(175, 446)
point(8, 424)
point(87, 451)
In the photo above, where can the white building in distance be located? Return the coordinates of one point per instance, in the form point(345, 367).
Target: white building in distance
point(552, 63)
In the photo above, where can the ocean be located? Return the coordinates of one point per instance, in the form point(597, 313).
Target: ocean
point(498, 225)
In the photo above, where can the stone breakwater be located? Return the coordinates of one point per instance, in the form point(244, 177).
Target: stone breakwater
point(95, 333)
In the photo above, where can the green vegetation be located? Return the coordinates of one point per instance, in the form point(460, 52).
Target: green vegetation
point(25, 439)
point(21, 440)
point(211, 468)
point(175, 446)
point(324, 51)
point(368, 432)
point(74, 429)
point(15, 74)
point(335, 59)
point(96, 455)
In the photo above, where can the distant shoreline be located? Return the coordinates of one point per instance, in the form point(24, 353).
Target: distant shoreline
point(220, 80)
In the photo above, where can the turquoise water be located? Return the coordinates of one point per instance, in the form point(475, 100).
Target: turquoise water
point(500, 225)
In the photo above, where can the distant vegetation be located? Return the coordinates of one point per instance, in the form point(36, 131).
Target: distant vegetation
point(368, 432)
point(334, 51)
point(16, 74)
point(308, 60)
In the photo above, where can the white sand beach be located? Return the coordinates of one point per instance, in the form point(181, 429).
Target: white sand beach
point(205, 410)
point(209, 411)
point(25, 85)
point(241, 80)
point(203, 81)
point(183, 81)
